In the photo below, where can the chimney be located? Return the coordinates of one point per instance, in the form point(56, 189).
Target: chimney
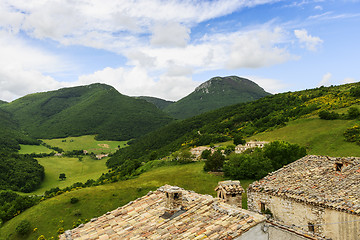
point(174, 199)
point(230, 192)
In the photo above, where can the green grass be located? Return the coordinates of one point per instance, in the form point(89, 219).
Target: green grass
point(320, 137)
point(47, 217)
point(75, 171)
point(87, 142)
point(28, 149)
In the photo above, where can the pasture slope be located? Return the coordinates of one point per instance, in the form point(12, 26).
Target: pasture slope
point(55, 213)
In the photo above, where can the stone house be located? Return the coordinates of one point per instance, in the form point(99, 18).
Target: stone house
point(174, 213)
point(251, 144)
point(196, 152)
point(317, 194)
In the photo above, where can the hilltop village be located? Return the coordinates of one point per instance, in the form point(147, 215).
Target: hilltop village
point(315, 197)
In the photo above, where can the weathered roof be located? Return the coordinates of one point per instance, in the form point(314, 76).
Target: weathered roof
point(230, 187)
point(204, 216)
point(315, 180)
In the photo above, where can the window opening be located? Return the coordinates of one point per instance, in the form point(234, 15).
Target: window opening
point(262, 207)
point(338, 166)
point(176, 196)
point(311, 227)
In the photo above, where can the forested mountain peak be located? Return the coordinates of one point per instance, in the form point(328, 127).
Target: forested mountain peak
point(216, 93)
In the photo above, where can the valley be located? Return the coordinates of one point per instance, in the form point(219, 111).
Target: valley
point(139, 164)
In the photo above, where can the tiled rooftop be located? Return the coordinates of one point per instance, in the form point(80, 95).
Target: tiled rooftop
point(316, 180)
point(202, 217)
point(230, 187)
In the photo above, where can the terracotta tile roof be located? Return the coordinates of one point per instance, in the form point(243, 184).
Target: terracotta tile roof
point(202, 217)
point(316, 180)
point(230, 187)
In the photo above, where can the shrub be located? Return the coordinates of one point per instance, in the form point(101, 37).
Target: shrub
point(23, 228)
point(74, 200)
point(325, 114)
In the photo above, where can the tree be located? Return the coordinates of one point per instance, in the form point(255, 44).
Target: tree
point(23, 228)
point(62, 176)
point(214, 162)
point(353, 113)
point(238, 139)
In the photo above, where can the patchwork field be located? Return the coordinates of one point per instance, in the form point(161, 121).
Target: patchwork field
point(58, 212)
point(87, 142)
point(28, 149)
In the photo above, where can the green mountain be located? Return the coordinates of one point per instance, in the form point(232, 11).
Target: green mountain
point(216, 93)
point(2, 102)
point(93, 109)
point(247, 119)
point(10, 135)
point(158, 102)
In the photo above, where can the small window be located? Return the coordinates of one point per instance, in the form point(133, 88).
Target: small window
point(176, 196)
point(338, 166)
point(233, 195)
point(167, 195)
point(311, 227)
point(262, 207)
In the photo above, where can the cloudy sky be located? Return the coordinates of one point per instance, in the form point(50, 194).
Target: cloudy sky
point(165, 48)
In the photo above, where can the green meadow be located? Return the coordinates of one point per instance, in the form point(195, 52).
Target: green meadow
point(52, 214)
point(28, 149)
point(87, 142)
point(320, 137)
point(75, 171)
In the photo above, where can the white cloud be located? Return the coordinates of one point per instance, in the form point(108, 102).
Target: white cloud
point(22, 68)
point(170, 35)
point(268, 84)
point(256, 49)
point(326, 80)
point(136, 82)
point(318, 7)
point(349, 80)
point(311, 43)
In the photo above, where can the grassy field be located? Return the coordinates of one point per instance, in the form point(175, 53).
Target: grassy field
point(321, 137)
point(28, 149)
point(75, 171)
point(85, 143)
point(58, 212)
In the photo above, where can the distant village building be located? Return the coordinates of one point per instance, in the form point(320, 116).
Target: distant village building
point(101, 156)
point(316, 194)
point(196, 152)
point(251, 144)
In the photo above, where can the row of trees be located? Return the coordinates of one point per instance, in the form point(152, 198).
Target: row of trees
point(254, 163)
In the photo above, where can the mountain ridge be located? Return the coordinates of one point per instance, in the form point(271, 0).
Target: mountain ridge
point(91, 109)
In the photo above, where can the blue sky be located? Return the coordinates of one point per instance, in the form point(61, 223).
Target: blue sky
point(167, 48)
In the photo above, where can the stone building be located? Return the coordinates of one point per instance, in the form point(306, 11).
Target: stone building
point(317, 194)
point(174, 213)
point(251, 144)
point(230, 192)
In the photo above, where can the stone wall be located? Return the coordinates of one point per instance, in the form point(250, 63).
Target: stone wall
point(300, 214)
